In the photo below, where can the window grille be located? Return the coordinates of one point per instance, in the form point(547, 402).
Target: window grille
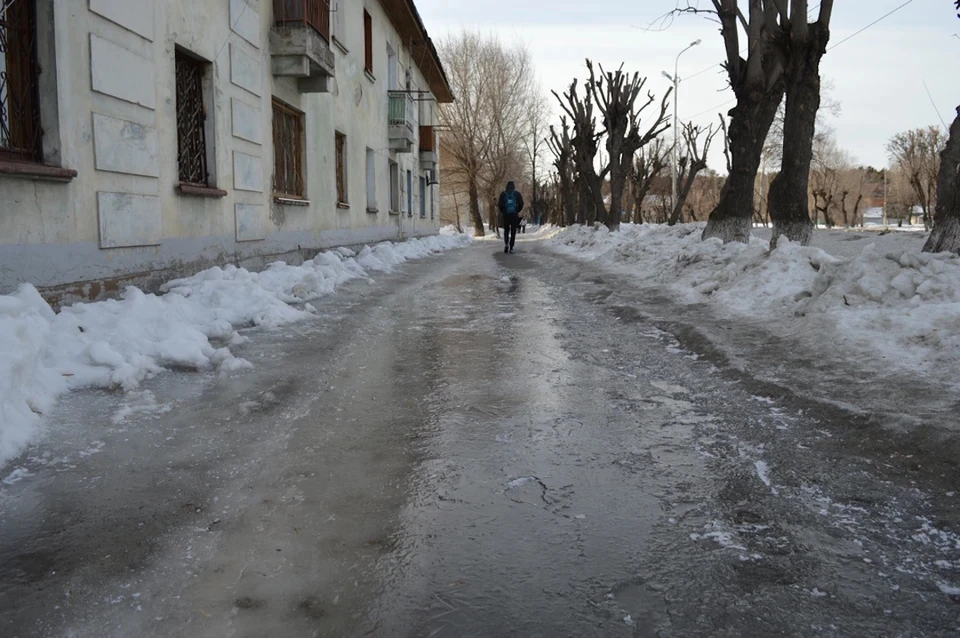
point(191, 121)
point(20, 131)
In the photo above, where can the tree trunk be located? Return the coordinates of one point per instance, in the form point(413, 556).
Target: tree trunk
point(616, 203)
point(750, 120)
point(856, 208)
point(585, 203)
point(684, 192)
point(946, 225)
point(569, 203)
point(788, 197)
point(475, 216)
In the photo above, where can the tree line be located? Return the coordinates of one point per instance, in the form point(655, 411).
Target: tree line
point(611, 160)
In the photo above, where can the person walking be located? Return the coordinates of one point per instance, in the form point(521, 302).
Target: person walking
point(510, 205)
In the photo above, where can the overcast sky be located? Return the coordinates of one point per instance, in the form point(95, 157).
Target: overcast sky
point(878, 74)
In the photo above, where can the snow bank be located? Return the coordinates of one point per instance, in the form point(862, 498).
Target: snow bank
point(867, 292)
point(120, 342)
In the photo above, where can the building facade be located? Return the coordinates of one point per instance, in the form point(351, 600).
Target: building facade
point(145, 139)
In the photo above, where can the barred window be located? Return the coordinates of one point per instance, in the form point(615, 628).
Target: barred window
point(287, 151)
point(341, 140)
point(20, 131)
point(191, 121)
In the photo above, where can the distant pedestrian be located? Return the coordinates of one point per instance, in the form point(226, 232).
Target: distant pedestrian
point(510, 205)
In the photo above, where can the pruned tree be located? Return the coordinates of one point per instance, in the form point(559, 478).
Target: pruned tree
point(946, 225)
point(692, 163)
point(616, 93)
point(917, 152)
point(830, 107)
point(801, 45)
point(562, 148)
point(649, 164)
point(758, 83)
point(585, 142)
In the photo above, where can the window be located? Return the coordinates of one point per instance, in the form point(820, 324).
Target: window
point(191, 121)
point(287, 151)
point(371, 181)
point(368, 41)
point(341, 141)
point(393, 84)
point(394, 187)
point(20, 131)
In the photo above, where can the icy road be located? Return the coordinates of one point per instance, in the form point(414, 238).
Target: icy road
point(493, 445)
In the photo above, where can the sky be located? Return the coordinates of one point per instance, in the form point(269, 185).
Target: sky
point(878, 75)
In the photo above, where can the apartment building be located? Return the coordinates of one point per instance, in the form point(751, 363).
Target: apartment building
point(144, 139)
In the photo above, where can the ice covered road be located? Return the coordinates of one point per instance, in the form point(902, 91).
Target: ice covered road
point(491, 445)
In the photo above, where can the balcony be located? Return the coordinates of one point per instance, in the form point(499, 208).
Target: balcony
point(402, 110)
point(428, 148)
point(300, 43)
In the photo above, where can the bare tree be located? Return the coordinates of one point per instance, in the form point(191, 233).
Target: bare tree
point(758, 83)
point(535, 141)
point(585, 143)
point(829, 107)
point(826, 186)
point(616, 94)
point(483, 128)
point(648, 165)
point(853, 181)
point(692, 163)
point(802, 45)
point(562, 148)
point(704, 195)
point(917, 152)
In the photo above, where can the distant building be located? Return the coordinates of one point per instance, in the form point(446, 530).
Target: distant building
point(143, 139)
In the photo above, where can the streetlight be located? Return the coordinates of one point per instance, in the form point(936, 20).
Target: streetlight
point(676, 81)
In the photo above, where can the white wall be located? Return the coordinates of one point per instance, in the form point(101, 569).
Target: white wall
point(122, 216)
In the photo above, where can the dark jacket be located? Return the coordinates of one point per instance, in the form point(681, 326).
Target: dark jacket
point(502, 203)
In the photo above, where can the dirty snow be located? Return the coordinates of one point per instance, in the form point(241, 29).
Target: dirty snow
point(866, 293)
point(192, 324)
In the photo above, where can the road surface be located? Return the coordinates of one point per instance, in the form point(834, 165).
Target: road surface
point(490, 445)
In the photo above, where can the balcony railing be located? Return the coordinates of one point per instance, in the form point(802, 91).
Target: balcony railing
point(428, 139)
point(313, 13)
point(402, 109)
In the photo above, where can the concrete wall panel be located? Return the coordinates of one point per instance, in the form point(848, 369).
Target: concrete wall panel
point(135, 15)
point(122, 146)
point(122, 73)
point(129, 220)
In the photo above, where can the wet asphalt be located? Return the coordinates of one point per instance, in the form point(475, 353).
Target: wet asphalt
point(493, 445)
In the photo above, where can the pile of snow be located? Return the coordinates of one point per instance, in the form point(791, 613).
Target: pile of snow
point(121, 342)
point(867, 292)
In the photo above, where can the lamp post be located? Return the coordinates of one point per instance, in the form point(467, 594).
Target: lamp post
point(676, 81)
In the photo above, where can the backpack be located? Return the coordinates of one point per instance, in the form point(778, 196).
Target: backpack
point(510, 203)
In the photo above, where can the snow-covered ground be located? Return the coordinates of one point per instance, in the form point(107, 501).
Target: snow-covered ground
point(191, 324)
point(863, 293)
